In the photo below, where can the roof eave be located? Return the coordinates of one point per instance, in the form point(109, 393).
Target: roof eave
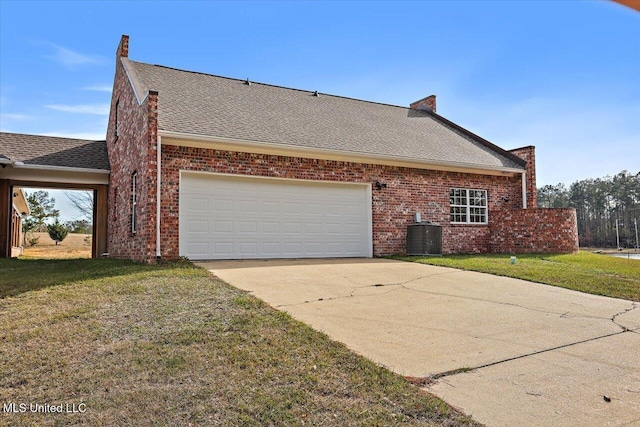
point(263, 147)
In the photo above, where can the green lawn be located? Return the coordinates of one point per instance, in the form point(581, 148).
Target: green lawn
point(585, 272)
point(172, 345)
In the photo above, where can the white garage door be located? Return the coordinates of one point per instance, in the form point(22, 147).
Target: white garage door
point(231, 217)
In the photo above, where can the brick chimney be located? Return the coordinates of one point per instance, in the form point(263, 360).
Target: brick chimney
point(123, 47)
point(428, 104)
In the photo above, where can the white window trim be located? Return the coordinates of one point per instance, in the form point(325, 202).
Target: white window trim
point(468, 206)
point(134, 201)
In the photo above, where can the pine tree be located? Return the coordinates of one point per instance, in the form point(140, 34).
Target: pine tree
point(57, 231)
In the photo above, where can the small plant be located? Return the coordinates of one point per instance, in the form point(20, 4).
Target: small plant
point(33, 241)
point(58, 232)
point(87, 240)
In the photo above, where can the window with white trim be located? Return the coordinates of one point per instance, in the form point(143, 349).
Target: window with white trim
point(467, 206)
point(134, 201)
point(117, 120)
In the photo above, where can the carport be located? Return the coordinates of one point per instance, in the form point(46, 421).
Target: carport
point(53, 162)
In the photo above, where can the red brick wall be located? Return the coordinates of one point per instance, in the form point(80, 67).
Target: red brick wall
point(132, 150)
point(408, 191)
point(533, 231)
point(529, 154)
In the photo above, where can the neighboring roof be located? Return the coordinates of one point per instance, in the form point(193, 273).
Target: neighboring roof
point(208, 105)
point(52, 151)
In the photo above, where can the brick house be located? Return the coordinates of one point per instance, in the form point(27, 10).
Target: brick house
point(212, 167)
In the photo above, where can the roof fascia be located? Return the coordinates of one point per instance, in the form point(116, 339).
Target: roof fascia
point(134, 81)
point(232, 144)
point(55, 176)
point(60, 168)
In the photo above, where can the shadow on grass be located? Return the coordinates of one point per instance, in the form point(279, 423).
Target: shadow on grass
point(18, 276)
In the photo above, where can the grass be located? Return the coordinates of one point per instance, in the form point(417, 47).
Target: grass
point(73, 246)
point(585, 272)
point(172, 345)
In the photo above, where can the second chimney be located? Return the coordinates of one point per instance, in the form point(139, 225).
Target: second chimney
point(428, 104)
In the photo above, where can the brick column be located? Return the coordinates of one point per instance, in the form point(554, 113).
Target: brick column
point(529, 155)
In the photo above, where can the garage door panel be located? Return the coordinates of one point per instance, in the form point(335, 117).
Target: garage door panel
point(223, 249)
point(315, 249)
point(198, 226)
point(247, 227)
point(199, 248)
point(271, 248)
point(353, 229)
point(270, 208)
point(223, 205)
point(293, 248)
point(230, 217)
point(333, 228)
point(223, 226)
point(312, 228)
point(270, 228)
point(292, 228)
point(248, 249)
point(197, 204)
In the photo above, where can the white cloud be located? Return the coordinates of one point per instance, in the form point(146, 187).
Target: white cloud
point(98, 109)
point(71, 58)
point(99, 88)
point(15, 116)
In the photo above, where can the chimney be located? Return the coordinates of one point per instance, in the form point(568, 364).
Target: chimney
point(123, 47)
point(428, 104)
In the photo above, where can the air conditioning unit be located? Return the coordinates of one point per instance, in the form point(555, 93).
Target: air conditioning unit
point(424, 239)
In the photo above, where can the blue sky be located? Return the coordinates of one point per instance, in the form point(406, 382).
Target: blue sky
point(561, 75)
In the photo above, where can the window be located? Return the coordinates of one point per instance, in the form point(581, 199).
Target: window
point(115, 203)
point(116, 119)
point(467, 206)
point(134, 201)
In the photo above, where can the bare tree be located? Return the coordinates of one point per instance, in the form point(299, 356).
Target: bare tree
point(82, 201)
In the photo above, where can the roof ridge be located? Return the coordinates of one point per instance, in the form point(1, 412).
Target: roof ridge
point(273, 85)
point(53, 136)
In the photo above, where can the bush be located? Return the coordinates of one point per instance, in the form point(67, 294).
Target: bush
point(33, 241)
point(58, 232)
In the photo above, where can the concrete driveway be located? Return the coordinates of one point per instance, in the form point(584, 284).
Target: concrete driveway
point(540, 355)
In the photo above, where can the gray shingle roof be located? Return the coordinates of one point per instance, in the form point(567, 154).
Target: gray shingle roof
point(203, 104)
point(54, 151)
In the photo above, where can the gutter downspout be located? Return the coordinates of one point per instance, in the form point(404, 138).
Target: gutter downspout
point(159, 174)
point(524, 190)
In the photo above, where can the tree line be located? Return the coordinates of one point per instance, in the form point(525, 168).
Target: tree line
point(600, 203)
